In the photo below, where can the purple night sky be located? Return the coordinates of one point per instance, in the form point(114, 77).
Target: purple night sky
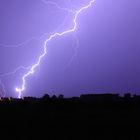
point(102, 56)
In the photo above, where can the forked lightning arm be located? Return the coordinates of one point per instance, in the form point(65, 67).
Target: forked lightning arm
point(32, 69)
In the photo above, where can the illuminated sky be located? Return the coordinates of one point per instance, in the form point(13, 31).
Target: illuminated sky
point(101, 56)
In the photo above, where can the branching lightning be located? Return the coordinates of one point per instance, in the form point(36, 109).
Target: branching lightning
point(76, 46)
point(14, 71)
point(2, 86)
point(18, 45)
point(73, 29)
point(57, 6)
point(22, 44)
point(3, 90)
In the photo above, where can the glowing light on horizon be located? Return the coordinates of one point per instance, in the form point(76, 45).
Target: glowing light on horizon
point(33, 67)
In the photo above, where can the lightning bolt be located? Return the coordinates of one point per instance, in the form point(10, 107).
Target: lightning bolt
point(22, 44)
point(76, 46)
point(2, 91)
point(18, 45)
point(14, 71)
point(73, 29)
point(57, 6)
point(2, 86)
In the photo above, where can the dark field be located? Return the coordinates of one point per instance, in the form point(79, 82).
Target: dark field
point(86, 117)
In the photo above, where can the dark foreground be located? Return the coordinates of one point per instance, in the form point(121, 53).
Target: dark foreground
point(88, 117)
